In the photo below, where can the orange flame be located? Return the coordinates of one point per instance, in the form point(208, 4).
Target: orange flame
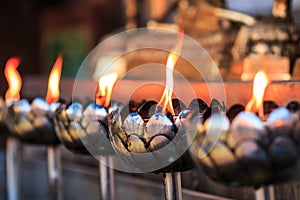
point(13, 78)
point(104, 90)
point(53, 81)
point(260, 83)
point(166, 99)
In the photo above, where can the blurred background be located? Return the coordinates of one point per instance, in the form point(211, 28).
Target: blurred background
point(37, 30)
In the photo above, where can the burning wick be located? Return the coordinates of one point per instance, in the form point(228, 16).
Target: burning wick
point(261, 81)
point(32, 122)
point(13, 78)
point(53, 81)
point(104, 89)
point(166, 99)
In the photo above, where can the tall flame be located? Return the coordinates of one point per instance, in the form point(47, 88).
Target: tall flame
point(53, 81)
point(260, 83)
point(13, 78)
point(104, 90)
point(166, 99)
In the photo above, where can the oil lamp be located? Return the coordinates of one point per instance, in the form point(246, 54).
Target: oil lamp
point(84, 130)
point(248, 148)
point(151, 136)
point(33, 123)
point(13, 152)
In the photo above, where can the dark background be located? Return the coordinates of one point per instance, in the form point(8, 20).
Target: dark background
point(22, 24)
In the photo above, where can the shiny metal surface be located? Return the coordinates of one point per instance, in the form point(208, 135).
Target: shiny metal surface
point(149, 141)
point(31, 123)
point(54, 173)
point(13, 168)
point(172, 182)
point(107, 179)
point(84, 131)
point(265, 193)
point(251, 151)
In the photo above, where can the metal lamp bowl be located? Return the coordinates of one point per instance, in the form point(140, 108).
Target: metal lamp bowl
point(241, 149)
point(83, 130)
point(32, 123)
point(146, 139)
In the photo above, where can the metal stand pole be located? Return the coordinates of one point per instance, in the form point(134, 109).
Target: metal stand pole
point(13, 161)
point(107, 181)
point(265, 193)
point(54, 172)
point(172, 182)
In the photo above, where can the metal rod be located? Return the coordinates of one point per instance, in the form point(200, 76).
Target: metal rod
point(107, 181)
point(265, 193)
point(54, 173)
point(13, 162)
point(172, 182)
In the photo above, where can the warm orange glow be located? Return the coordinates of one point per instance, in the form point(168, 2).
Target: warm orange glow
point(260, 83)
point(53, 81)
point(104, 90)
point(13, 78)
point(166, 99)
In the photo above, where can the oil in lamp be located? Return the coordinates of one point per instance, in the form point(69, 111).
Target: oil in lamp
point(33, 123)
point(85, 131)
point(151, 137)
point(248, 148)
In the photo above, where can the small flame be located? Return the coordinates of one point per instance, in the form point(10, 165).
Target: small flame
point(260, 83)
point(166, 99)
point(53, 81)
point(104, 90)
point(13, 78)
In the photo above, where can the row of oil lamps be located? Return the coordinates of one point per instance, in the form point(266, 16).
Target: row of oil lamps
point(255, 145)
